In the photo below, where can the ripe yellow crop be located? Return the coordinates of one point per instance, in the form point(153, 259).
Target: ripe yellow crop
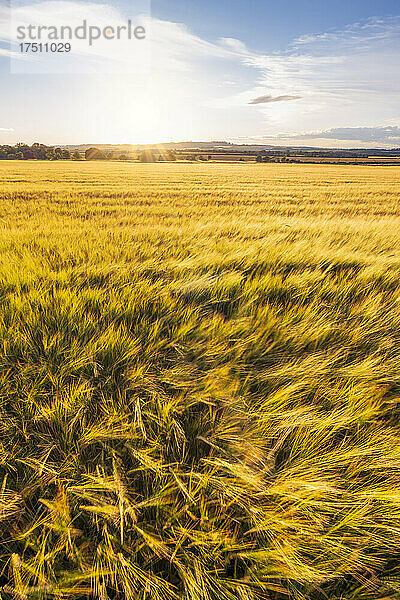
point(199, 381)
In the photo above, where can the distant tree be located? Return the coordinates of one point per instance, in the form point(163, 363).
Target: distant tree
point(123, 157)
point(36, 151)
point(25, 149)
point(76, 155)
point(41, 152)
point(147, 156)
point(50, 154)
point(28, 154)
point(94, 154)
point(171, 155)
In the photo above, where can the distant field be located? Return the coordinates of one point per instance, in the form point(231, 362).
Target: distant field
point(200, 381)
point(371, 160)
point(237, 157)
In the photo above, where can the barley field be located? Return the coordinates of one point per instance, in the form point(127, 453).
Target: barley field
point(200, 381)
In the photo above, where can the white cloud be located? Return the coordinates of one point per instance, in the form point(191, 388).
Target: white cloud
point(374, 29)
point(376, 135)
point(8, 53)
point(167, 45)
point(346, 78)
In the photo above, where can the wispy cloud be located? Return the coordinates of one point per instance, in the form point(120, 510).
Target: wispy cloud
point(345, 77)
point(8, 53)
point(373, 29)
point(268, 99)
point(379, 135)
point(172, 45)
point(6, 129)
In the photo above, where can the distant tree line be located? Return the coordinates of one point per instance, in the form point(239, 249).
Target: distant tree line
point(36, 152)
point(146, 156)
point(151, 155)
point(275, 158)
point(42, 152)
point(293, 155)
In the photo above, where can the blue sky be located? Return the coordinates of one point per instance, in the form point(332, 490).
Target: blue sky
point(268, 25)
point(299, 72)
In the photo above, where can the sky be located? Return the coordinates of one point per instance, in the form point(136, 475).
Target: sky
point(299, 72)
